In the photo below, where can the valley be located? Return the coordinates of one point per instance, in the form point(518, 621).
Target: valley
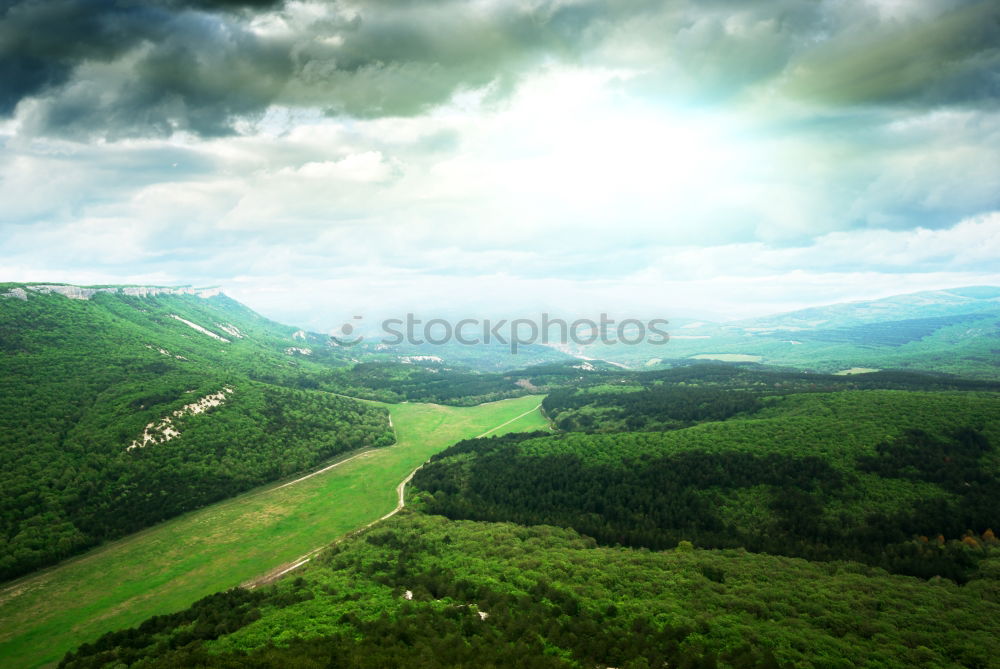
point(169, 566)
point(806, 529)
point(198, 486)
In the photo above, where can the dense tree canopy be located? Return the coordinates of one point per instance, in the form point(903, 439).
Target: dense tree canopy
point(422, 591)
point(811, 480)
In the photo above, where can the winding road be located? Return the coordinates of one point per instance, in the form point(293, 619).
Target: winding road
point(281, 570)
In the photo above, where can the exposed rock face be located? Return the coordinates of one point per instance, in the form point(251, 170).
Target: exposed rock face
point(165, 352)
point(72, 292)
point(152, 291)
point(230, 329)
point(85, 293)
point(292, 350)
point(164, 429)
point(195, 326)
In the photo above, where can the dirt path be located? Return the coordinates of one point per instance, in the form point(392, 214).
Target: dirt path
point(494, 429)
point(362, 454)
point(368, 451)
point(283, 569)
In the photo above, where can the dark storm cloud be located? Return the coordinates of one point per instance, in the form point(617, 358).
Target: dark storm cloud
point(200, 76)
point(952, 59)
point(124, 69)
point(128, 68)
point(399, 58)
point(41, 41)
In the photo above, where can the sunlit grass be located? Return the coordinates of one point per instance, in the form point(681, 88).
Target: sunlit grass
point(167, 567)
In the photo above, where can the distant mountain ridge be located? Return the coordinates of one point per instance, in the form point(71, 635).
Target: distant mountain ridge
point(955, 330)
point(486, 357)
point(923, 304)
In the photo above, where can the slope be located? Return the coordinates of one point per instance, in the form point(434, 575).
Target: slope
point(169, 566)
point(125, 406)
point(424, 591)
point(855, 475)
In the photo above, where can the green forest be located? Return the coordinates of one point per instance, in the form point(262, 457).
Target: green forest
point(81, 381)
point(823, 476)
point(423, 591)
point(613, 401)
point(702, 515)
point(72, 489)
point(807, 528)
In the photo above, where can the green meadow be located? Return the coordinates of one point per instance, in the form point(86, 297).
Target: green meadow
point(167, 567)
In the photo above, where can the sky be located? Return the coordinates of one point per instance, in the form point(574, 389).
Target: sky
point(716, 159)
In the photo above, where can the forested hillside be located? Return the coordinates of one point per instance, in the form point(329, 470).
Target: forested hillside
point(699, 493)
point(121, 410)
point(181, 331)
point(124, 405)
point(904, 480)
point(769, 519)
point(614, 401)
point(422, 591)
point(434, 382)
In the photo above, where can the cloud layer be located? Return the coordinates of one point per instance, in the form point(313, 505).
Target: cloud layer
point(128, 68)
point(394, 151)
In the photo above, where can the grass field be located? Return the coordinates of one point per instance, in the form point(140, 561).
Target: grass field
point(167, 567)
point(528, 422)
